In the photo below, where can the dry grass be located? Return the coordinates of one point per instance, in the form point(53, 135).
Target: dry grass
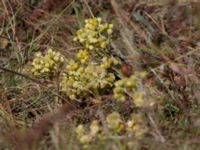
point(159, 37)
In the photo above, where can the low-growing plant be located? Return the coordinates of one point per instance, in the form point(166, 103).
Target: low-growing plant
point(94, 72)
point(135, 127)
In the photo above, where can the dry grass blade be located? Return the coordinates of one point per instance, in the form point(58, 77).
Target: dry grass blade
point(45, 6)
point(125, 32)
point(20, 74)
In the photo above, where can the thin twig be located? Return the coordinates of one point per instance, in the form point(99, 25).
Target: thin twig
point(22, 75)
point(88, 7)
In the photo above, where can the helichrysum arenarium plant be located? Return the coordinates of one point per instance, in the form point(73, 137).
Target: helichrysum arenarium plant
point(85, 76)
point(135, 127)
point(83, 55)
point(47, 65)
point(131, 87)
point(94, 35)
point(108, 62)
point(114, 122)
point(82, 76)
point(124, 87)
point(86, 137)
point(83, 80)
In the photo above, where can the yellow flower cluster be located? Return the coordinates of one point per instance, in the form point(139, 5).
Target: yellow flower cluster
point(72, 66)
point(130, 87)
point(124, 87)
point(136, 125)
point(133, 127)
point(114, 122)
point(94, 35)
point(82, 55)
point(82, 80)
point(108, 62)
point(83, 138)
point(47, 65)
point(86, 138)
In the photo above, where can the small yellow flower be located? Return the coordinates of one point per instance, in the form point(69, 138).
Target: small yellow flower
point(114, 122)
point(127, 86)
point(72, 66)
point(137, 126)
point(38, 54)
point(138, 99)
point(109, 31)
point(94, 128)
point(85, 139)
point(82, 55)
point(80, 131)
point(109, 62)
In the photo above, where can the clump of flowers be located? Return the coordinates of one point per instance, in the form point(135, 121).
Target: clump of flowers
point(136, 126)
point(72, 66)
point(95, 34)
point(108, 62)
point(83, 76)
point(81, 80)
point(85, 138)
point(124, 87)
point(140, 99)
point(129, 86)
point(47, 65)
point(114, 122)
point(83, 55)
